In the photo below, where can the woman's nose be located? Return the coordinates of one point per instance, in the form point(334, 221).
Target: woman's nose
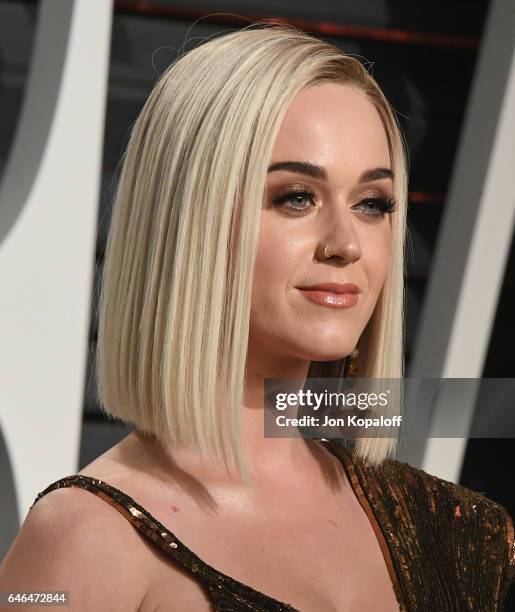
point(341, 241)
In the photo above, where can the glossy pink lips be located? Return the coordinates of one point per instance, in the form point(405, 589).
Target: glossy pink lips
point(334, 295)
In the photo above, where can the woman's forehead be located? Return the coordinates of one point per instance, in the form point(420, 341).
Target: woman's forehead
point(332, 125)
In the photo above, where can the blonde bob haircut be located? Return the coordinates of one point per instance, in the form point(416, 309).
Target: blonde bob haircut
point(175, 297)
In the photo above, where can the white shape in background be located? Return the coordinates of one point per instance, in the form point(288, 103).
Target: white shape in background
point(48, 220)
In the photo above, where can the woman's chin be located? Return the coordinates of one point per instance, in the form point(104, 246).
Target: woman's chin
point(327, 359)
point(327, 355)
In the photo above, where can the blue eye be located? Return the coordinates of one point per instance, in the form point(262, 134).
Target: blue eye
point(295, 196)
point(379, 206)
point(298, 201)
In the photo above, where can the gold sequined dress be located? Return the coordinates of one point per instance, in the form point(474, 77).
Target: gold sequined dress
point(447, 548)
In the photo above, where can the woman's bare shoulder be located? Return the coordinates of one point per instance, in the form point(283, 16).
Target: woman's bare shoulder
point(72, 540)
point(130, 468)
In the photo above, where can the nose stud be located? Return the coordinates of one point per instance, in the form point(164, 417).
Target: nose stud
point(352, 252)
point(322, 252)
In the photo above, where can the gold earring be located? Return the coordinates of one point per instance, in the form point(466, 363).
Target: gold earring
point(351, 364)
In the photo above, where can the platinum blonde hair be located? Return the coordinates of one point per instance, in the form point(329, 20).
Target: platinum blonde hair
point(176, 289)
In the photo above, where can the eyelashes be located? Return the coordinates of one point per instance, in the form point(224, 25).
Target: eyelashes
point(377, 207)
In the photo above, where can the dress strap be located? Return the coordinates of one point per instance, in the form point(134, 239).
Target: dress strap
point(224, 590)
point(357, 484)
point(139, 517)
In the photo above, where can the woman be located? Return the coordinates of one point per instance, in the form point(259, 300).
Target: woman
point(264, 162)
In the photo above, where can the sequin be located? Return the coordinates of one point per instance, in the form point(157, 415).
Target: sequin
point(436, 563)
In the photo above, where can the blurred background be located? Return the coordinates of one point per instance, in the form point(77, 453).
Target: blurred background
point(425, 57)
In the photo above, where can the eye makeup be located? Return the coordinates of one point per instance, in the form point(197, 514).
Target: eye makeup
point(285, 198)
point(293, 199)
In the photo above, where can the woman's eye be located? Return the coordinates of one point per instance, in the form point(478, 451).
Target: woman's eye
point(299, 201)
point(377, 207)
point(295, 201)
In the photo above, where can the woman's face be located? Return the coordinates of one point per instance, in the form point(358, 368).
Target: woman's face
point(337, 130)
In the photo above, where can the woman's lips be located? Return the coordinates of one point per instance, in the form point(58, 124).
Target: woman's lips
point(334, 295)
point(328, 298)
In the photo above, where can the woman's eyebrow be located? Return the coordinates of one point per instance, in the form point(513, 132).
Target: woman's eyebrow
point(319, 172)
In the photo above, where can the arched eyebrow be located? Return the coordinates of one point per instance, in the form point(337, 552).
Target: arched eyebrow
point(319, 172)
